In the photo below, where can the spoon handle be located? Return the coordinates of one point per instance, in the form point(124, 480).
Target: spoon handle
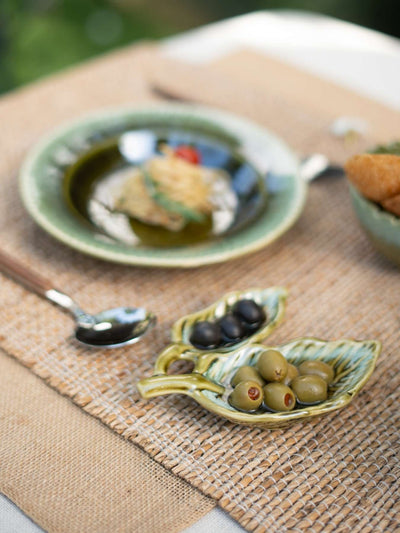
point(31, 280)
point(43, 287)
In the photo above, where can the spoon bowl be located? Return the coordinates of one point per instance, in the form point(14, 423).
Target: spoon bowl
point(115, 327)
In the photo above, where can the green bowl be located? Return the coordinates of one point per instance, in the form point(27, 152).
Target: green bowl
point(382, 228)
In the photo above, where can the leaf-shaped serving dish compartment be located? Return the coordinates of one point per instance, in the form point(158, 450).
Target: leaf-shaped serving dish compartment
point(272, 300)
point(209, 382)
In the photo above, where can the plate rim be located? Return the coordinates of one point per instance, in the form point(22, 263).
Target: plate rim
point(226, 120)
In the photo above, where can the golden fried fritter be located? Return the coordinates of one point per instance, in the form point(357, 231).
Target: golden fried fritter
point(392, 205)
point(376, 176)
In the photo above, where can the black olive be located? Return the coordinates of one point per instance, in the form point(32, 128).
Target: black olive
point(205, 335)
point(232, 329)
point(249, 312)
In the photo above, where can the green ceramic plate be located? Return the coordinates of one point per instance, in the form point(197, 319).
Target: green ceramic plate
point(52, 182)
point(209, 382)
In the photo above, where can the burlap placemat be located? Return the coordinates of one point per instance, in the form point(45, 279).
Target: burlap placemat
point(62, 467)
point(71, 474)
point(339, 472)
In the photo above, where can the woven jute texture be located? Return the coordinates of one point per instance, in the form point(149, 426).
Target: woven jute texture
point(337, 473)
point(65, 469)
point(71, 474)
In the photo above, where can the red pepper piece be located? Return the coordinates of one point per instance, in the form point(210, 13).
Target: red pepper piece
point(188, 153)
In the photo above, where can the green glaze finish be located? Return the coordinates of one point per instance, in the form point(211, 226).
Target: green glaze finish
point(381, 227)
point(272, 300)
point(209, 383)
point(41, 184)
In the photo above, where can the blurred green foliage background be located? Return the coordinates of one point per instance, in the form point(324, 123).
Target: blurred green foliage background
point(38, 37)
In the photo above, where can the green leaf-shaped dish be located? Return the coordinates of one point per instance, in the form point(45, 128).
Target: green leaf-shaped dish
point(209, 382)
point(272, 300)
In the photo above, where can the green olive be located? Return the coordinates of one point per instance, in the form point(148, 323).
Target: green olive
point(247, 373)
point(279, 397)
point(292, 373)
point(317, 368)
point(272, 365)
point(310, 389)
point(246, 396)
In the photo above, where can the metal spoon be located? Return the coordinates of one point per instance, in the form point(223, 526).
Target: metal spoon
point(312, 167)
point(108, 329)
point(317, 166)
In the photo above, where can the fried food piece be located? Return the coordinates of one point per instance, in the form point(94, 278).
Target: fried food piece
point(170, 191)
point(392, 205)
point(183, 182)
point(134, 200)
point(376, 176)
